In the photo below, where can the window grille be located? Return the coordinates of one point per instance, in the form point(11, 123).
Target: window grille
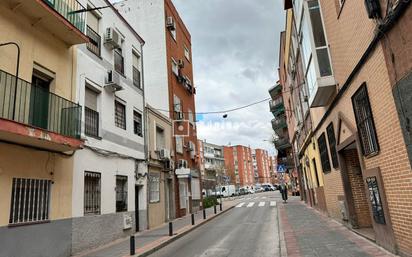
point(137, 123)
point(121, 193)
point(332, 145)
point(324, 157)
point(91, 192)
point(376, 202)
point(118, 61)
point(30, 200)
point(364, 121)
point(120, 115)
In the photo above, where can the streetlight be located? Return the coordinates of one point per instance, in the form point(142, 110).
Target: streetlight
point(17, 71)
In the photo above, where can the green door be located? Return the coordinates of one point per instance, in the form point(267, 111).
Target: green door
point(39, 102)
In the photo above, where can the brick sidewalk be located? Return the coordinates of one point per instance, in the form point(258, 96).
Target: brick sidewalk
point(311, 234)
point(149, 240)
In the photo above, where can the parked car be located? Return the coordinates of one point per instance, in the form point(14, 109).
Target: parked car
point(243, 191)
point(251, 191)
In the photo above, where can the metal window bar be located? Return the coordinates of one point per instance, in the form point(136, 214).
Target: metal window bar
point(137, 119)
point(364, 121)
point(23, 105)
point(65, 9)
point(91, 122)
point(95, 41)
point(324, 157)
point(136, 77)
point(118, 62)
point(26, 203)
point(120, 115)
point(92, 192)
point(121, 193)
point(332, 145)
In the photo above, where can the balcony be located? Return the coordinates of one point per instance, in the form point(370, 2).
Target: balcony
point(276, 106)
point(56, 16)
point(279, 123)
point(275, 91)
point(30, 115)
point(282, 143)
point(322, 91)
point(287, 161)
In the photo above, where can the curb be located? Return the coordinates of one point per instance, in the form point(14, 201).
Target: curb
point(282, 242)
point(185, 232)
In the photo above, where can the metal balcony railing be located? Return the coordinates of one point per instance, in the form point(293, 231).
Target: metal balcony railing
point(28, 104)
point(95, 41)
point(67, 8)
point(91, 122)
point(282, 143)
point(287, 161)
point(279, 123)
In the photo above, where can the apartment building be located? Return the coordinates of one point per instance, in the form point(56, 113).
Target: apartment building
point(40, 127)
point(110, 172)
point(261, 157)
point(170, 89)
point(215, 171)
point(239, 165)
point(355, 159)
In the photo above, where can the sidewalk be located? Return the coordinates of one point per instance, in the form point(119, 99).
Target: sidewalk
point(311, 234)
point(150, 240)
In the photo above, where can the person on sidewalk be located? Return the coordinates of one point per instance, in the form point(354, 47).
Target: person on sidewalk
point(284, 191)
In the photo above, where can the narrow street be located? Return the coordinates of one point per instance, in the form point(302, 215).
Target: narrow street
point(248, 230)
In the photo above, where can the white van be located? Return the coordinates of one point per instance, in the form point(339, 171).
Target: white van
point(228, 190)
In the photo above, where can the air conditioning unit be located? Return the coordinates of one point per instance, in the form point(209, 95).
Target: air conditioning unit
point(181, 63)
point(112, 38)
point(179, 116)
point(373, 8)
point(182, 164)
point(170, 23)
point(113, 81)
point(164, 154)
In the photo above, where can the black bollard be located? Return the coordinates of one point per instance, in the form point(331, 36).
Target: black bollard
point(214, 208)
point(193, 219)
point(220, 206)
point(204, 214)
point(170, 229)
point(132, 246)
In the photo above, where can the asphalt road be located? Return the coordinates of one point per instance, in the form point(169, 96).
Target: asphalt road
point(248, 230)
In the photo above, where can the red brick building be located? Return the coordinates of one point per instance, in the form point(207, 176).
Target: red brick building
point(263, 166)
point(239, 165)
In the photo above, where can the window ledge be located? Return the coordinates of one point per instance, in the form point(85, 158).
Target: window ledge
point(28, 223)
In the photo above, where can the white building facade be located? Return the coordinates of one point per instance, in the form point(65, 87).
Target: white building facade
point(110, 174)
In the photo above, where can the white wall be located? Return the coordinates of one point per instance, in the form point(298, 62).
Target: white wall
point(148, 18)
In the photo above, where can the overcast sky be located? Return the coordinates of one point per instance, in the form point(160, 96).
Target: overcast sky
point(235, 55)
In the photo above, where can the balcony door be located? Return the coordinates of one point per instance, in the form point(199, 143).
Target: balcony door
point(39, 101)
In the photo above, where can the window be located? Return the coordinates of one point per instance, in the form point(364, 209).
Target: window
point(154, 187)
point(173, 33)
point(315, 168)
point(160, 138)
point(119, 115)
point(182, 194)
point(364, 121)
point(195, 183)
point(187, 53)
point(30, 200)
point(323, 149)
point(118, 61)
point(136, 70)
point(375, 199)
point(332, 145)
point(179, 144)
point(191, 118)
point(91, 192)
point(92, 32)
point(137, 123)
point(91, 116)
point(121, 193)
point(175, 67)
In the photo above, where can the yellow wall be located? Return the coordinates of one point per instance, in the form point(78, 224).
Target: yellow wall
point(311, 153)
point(39, 46)
point(22, 162)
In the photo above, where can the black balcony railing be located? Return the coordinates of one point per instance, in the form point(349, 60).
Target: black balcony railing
point(95, 42)
point(282, 143)
point(136, 77)
point(91, 122)
point(279, 123)
point(67, 8)
point(35, 106)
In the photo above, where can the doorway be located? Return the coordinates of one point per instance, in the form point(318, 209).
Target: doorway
point(136, 199)
point(39, 100)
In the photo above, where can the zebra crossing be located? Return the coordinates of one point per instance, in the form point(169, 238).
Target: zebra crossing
point(259, 204)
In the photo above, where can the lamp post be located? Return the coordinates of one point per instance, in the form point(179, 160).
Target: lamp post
point(17, 72)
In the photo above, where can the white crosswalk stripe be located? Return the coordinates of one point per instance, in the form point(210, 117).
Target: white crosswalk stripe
point(240, 205)
point(272, 203)
point(250, 204)
point(261, 204)
point(263, 197)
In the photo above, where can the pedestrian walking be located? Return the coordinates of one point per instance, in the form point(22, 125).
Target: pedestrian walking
point(284, 191)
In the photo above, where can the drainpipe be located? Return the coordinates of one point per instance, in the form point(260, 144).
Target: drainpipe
point(17, 72)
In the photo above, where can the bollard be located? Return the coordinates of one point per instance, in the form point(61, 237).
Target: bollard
point(204, 214)
point(132, 246)
point(193, 219)
point(170, 229)
point(220, 206)
point(214, 208)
